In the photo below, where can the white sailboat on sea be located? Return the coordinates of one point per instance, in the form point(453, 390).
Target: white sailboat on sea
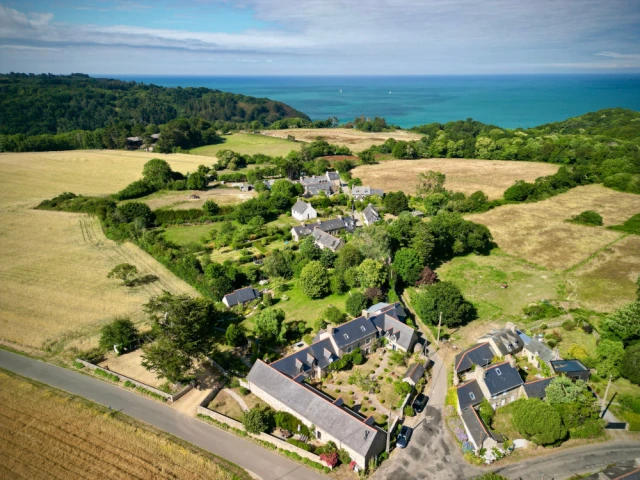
point(340, 90)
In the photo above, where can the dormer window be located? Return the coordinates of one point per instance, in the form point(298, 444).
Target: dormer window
point(498, 371)
point(509, 347)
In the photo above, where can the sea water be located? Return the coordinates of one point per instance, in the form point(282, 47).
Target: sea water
point(508, 101)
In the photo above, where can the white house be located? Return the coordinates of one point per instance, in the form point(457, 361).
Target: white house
point(303, 211)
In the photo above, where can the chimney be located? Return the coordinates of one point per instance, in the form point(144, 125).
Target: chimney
point(369, 420)
point(338, 402)
point(330, 330)
point(511, 359)
point(340, 217)
point(479, 372)
point(365, 313)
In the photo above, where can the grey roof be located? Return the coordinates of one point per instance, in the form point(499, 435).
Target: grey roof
point(352, 331)
point(501, 378)
point(543, 352)
point(333, 176)
point(391, 321)
point(415, 372)
point(469, 394)
point(480, 354)
point(155, 136)
point(377, 307)
point(370, 214)
point(417, 213)
point(300, 206)
point(567, 366)
point(537, 388)
point(508, 342)
point(326, 240)
point(241, 295)
point(316, 188)
point(331, 225)
point(318, 409)
point(314, 180)
point(134, 139)
point(319, 354)
point(476, 427)
point(626, 471)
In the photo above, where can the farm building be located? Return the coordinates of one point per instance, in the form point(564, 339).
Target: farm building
point(573, 369)
point(360, 193)
point(478, 433)
point(414, 373)
point(370, 215)
point(333, 226)
point(326, 240)
point(303, 211)
point(536, 388)
point(240, 296)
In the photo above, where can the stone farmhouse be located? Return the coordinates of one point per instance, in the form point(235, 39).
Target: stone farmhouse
point(333, 226)
point(370, 215)
point(281, 383)
point(240, 296)
point(328, 183)
point(326, 240)
point(360, 193)
point(478, 433)
point(303, 211)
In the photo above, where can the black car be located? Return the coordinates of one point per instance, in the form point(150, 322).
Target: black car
point(404, 436)
point(419, 403)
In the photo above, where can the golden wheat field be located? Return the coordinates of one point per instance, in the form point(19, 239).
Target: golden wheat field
point(46, 433)
point(53, 265)
point(354, 139)
point(181, 201)
point(538, 232)
point(493, 177)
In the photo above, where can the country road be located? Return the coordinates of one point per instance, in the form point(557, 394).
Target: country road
point(253, 458)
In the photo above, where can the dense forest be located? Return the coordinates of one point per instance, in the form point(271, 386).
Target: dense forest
point(50, 104)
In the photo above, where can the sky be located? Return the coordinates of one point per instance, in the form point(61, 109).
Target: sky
point(320, 37)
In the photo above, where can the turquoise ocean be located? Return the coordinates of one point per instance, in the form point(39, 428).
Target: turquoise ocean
point(508, 101)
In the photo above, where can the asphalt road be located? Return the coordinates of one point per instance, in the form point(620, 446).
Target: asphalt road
point(257, 460)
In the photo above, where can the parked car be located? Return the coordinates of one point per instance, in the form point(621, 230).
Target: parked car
point(419, 403)
point(404, 436)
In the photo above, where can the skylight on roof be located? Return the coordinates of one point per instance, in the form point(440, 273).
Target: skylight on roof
point(498, 371)
point(346, 337)
point(472, 396)
point(362, 328)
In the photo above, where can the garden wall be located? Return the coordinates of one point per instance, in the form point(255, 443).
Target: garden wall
point(171, 397)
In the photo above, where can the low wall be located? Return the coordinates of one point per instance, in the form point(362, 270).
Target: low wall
point(171, 397)
point(262, 436)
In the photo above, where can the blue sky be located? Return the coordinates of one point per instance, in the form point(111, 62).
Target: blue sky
point(320, 37)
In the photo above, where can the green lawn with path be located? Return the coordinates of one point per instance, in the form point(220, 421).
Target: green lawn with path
point(250, 144)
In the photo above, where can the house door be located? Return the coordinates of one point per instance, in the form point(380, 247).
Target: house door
point(318, 434)
point(393, 347)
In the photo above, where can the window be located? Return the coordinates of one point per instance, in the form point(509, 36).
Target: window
point(472, 396)
point(368, 341)
point(498, 371)
point(346, 337)
point(363, 329)
point(349, 349)
point(318, 434)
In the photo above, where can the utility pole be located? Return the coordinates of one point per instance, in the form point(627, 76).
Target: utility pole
point(606, 394)
point(389, 430)
point(439, 324)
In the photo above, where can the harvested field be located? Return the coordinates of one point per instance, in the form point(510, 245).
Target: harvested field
point(493, 177)
point(130, 365)
point(47, 433)
point(180, 201)
point(53, 265)
point(538, 232)
point(250, 144)
point(354, 139)
point(607, 281)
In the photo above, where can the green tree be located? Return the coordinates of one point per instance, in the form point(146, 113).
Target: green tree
point(197, 181)
point(371, 273)
point(445, 298)
point(630, 365)
point(401, 388)
point(125, 272)
point(157, 172)
point(423, 242)
point(211, 207)
point(537, 421)
point(430, 182)
point(395, 202)
point(136, 211)
point(573, 400)
point(255, 421)
point(314, 280)
point(373, 242)
point(624, 323)
point(235, 336)
point(356, 302)
point(588, 217)
point(162, 357)
point(285, 188)
point(348, 256)
point(408, 265)
point(486, 412)
point(268, 324)
point(334, 315)
point(519, 191)
point(121, 333)
point(279, 264)
point(609, 354)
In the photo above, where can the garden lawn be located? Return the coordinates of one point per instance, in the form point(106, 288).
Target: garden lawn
point(249, 144)
point(503, 423)
point(226, 405)
point(301, 307)
point(186, 234)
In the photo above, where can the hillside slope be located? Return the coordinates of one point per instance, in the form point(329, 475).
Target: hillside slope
point(39, 104)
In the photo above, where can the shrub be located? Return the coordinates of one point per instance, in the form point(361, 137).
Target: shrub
point(339, 382)
point(244, 391)
point(304, 446)
point(289, 422)
point(344, 456)
point(408, 411)
point(588, 217)
point(630, 403)
point(538, 421)
point(109, 376)
point(255, 421)
point(78, 365)
point(129, 384)
point(591, 428)
point(355, 303)
point(331, 459)
point(542, 310)
point(569, 325)
point(486, 412)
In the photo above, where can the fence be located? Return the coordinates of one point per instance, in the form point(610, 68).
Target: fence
point(279, 443)
point(171, 397)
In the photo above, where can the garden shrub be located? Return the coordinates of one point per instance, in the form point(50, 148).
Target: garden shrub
point(304, 446)
point(110, 376)
point(591, 428)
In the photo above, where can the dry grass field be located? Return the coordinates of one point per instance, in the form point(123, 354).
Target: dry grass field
point(538, 232)
point(47, 433)
point(493, 177)
point(354, 139)
point(179, 200)
point(130, 364)
point(53, 265)
point(250, 144)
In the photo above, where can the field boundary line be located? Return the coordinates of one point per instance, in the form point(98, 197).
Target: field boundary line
point(594, 254)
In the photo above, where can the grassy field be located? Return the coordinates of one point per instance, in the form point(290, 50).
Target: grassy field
point(186, 234)
point(250, 144)
point(493, 177)
point(538, 233)
point(354, 139)
point(179, 200)
point(47, 433)
point(53, 265)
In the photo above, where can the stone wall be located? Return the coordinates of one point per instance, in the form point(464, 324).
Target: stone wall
point(169, 396)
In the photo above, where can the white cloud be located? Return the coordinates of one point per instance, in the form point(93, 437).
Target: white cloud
point(619, 55)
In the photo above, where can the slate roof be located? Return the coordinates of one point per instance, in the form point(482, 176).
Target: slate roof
point(241, 295)
point(543, 352)
point(319, 354)
point(508, 342)
point(333, 176)
point(317, 409)
point(340, 223)
point(478, 430)
point(314, 180)
point(300, 207)
point(326, 240)
point(155, 136)
point(377, 307)
point(415, 372)
point(626, 471)
point(352, 331)
point(390, 320)
point(469, 394)
point(501, 378)
point(567, 366)
point(316, 188)
point(537, 388)
point(480, 354)
point(417, 213)
point(370, 214)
